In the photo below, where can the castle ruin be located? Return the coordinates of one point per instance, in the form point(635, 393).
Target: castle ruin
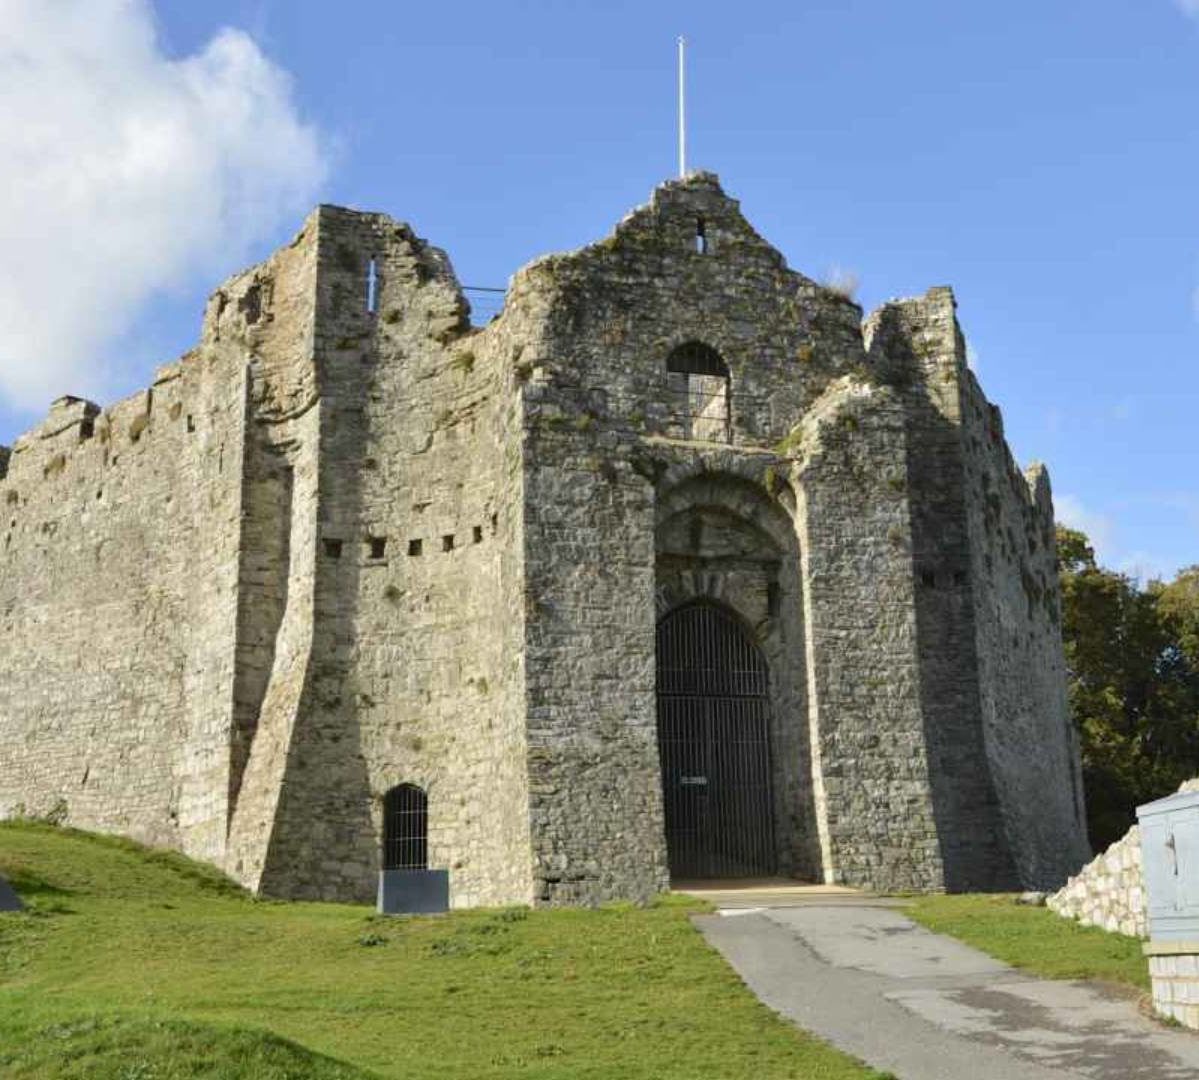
point(676, 568)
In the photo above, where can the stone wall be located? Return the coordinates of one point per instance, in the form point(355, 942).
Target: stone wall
point(869, 747)
point(412, 677)
point(1109, 892)
point(915, 346)
point(245, 604)
point(118, 572)
point(1005, 772)
point(1031, 744)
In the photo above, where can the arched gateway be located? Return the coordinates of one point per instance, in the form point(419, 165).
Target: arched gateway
point(714, 743)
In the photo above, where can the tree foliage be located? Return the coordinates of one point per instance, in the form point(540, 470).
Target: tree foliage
point(1132, 656)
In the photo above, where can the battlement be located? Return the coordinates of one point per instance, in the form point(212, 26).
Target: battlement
point(77, 433)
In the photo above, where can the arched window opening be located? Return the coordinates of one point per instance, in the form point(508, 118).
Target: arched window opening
point(406, 829)
point(698, 383)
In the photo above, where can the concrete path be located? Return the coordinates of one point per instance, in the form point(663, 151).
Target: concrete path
point(925, 1007)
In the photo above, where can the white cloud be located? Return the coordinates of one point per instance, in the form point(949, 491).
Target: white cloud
point(126, 171)
point(1145, 567)
point(1112, 539)
point(1100, 529)
point(1190, 7)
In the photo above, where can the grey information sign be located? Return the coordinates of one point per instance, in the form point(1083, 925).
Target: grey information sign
point(414, 892)
point(9, 900)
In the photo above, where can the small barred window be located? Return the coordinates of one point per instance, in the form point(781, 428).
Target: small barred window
point(406, 829)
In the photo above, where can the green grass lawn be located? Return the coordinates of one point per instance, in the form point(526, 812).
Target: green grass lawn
point(138, 965)
point(1034, 938)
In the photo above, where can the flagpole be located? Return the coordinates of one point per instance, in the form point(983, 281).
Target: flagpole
point(682, 113)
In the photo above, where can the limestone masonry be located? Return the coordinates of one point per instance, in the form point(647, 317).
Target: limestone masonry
point(1110, 891)
point(674, 568)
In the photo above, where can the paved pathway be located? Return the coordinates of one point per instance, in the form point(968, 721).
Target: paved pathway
point(926, 1007)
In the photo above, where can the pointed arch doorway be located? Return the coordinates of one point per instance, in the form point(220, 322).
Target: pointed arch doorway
point(713, 692)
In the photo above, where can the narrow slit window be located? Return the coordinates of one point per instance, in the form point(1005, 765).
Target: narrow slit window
point(447, 542)
point(478, 534)
point(701, 237)
point(191, 423)
point(406, 828)
point(372, 286)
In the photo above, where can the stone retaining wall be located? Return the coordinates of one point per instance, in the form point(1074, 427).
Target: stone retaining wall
point(1109, 892)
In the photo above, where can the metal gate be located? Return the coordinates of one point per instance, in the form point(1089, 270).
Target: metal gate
point(714, 743)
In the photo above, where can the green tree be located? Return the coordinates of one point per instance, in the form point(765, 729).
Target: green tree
point(1132, 656)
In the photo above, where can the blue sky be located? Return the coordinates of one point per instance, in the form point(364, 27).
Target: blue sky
point(1041, 157)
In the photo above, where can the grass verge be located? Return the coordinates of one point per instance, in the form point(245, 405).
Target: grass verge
point(1034, 938)
point(134, 965)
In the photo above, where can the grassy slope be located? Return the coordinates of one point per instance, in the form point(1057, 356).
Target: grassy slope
point(137, 965)
point(1035, 939)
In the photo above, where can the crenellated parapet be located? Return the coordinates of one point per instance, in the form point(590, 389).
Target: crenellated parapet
point(79, 441)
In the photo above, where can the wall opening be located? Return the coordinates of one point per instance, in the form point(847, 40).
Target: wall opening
point(372, 286)
point(701, 237)
point(698, 394)
point(378, 547)
point(406, 828)
point(713, 692)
